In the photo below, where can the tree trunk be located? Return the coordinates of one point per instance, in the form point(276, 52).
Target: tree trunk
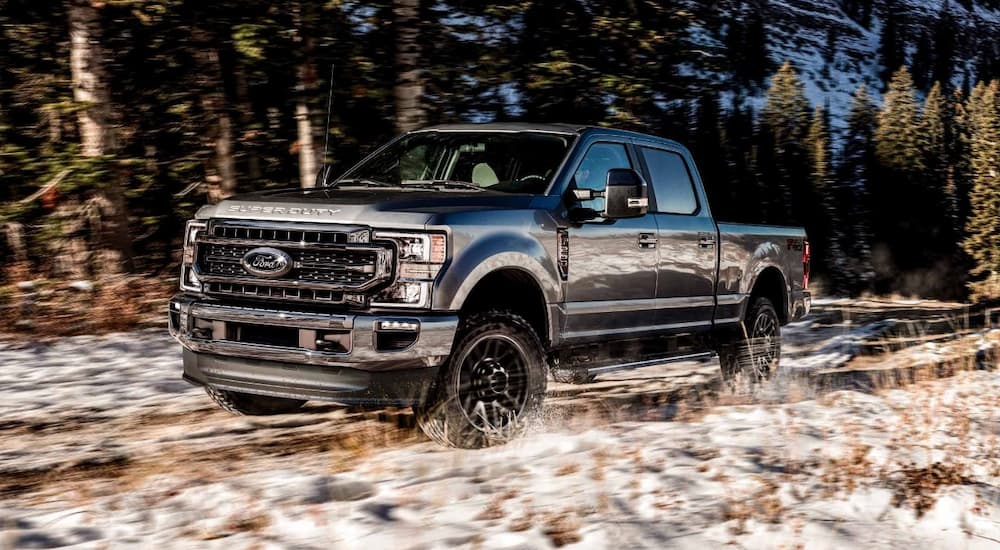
point(250, 140)
point(307, 150)
point(222, 170)
point(90, 82)
point(92, 91)
point(308, 155)
point(225, 162)
point(409, 87)
point(55, 125)
point(305, 88)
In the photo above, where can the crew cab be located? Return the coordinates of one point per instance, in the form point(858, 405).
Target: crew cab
point(457, 268)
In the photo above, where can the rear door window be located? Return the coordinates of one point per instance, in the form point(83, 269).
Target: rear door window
point(673, 189)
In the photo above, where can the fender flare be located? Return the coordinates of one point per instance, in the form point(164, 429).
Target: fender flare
point(491, 255)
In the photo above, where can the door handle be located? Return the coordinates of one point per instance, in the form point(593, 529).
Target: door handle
point(647, 240)
point(706, 240)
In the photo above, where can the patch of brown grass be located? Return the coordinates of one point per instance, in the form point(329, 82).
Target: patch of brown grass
point(567, 469)
point(525, 521)
point(917, 487)
point(600, 463)
point(53, 308)
point(562, 528)
point(763, 505)
point(493, 511)
point(844, 472)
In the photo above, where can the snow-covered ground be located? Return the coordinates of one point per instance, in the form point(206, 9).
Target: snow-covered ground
point(101, 445)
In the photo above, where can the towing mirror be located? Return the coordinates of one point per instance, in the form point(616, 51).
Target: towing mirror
point(625, 194)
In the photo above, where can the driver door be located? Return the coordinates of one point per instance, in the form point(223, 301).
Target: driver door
point(611, 283)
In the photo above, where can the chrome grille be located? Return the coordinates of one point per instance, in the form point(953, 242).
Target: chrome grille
point(276, 293)
point(291, 234)
point(327, 262)
point(340, 267)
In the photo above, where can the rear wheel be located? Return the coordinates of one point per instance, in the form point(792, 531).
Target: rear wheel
point(252, 405)
point(492, 387)
point(753, 354)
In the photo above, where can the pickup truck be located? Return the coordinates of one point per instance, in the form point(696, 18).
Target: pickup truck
point(458, 267)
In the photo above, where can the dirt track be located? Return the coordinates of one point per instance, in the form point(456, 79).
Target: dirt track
point(90, 424)
point(109, 408)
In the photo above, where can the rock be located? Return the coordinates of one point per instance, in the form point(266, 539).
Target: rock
point(317, 489)
point(381, 510)
point(82, 286)
point(26, 286)
point(341, 489)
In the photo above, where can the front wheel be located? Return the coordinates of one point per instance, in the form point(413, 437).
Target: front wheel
point(491, 388)
point(753, 354)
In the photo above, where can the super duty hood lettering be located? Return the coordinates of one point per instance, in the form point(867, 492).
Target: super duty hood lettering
point(293, 210)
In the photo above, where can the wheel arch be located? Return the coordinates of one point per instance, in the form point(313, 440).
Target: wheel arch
point(770, 283)
point(512, 289)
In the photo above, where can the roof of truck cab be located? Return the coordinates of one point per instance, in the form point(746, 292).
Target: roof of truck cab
point(556, 128)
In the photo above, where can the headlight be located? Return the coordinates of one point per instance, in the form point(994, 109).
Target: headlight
point(404, 294)
point(420, 258)
point(189, 280)
point(418, 247)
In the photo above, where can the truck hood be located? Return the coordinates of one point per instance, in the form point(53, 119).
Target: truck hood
point(376, 207)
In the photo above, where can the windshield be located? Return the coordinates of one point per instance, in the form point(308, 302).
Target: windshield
point(523, 162)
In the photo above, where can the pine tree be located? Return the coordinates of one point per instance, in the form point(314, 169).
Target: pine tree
point(899, 140)
point(958, 154)
point(785, 123)
point(738, 144)
point(707, 143)
point(92, 91)
point(938, 127)
point(746, 47)
point(983, 228)
point(899, 149)
point(822, 223)
point(855, 175)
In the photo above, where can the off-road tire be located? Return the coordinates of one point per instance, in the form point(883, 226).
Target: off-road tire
point(504, 345)
point(749, 356)
point(245, 404)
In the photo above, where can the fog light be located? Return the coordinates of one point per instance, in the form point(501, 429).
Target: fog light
point(399, 326)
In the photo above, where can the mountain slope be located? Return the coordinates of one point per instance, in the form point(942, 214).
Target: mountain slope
point(835, 53)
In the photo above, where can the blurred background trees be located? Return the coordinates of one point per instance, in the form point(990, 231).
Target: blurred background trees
point(872, 122)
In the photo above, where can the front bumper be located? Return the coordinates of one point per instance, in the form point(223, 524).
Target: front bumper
point(356, 366)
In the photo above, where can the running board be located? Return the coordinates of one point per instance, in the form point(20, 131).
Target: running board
point(649, 363)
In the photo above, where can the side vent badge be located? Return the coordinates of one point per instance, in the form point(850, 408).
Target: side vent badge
point(562, 243)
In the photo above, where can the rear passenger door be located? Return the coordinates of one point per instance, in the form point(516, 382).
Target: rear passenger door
point(686, 271)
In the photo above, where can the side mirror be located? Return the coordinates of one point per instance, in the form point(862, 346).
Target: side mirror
point(625, 194)
point(324, 175)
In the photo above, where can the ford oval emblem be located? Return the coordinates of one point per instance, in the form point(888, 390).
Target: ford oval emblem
point(267, 262)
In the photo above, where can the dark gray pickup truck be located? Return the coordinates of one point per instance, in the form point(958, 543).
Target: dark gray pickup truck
point(458, 267)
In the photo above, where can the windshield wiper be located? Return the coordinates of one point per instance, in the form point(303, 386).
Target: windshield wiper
point(442, 183)
point(367, 182)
